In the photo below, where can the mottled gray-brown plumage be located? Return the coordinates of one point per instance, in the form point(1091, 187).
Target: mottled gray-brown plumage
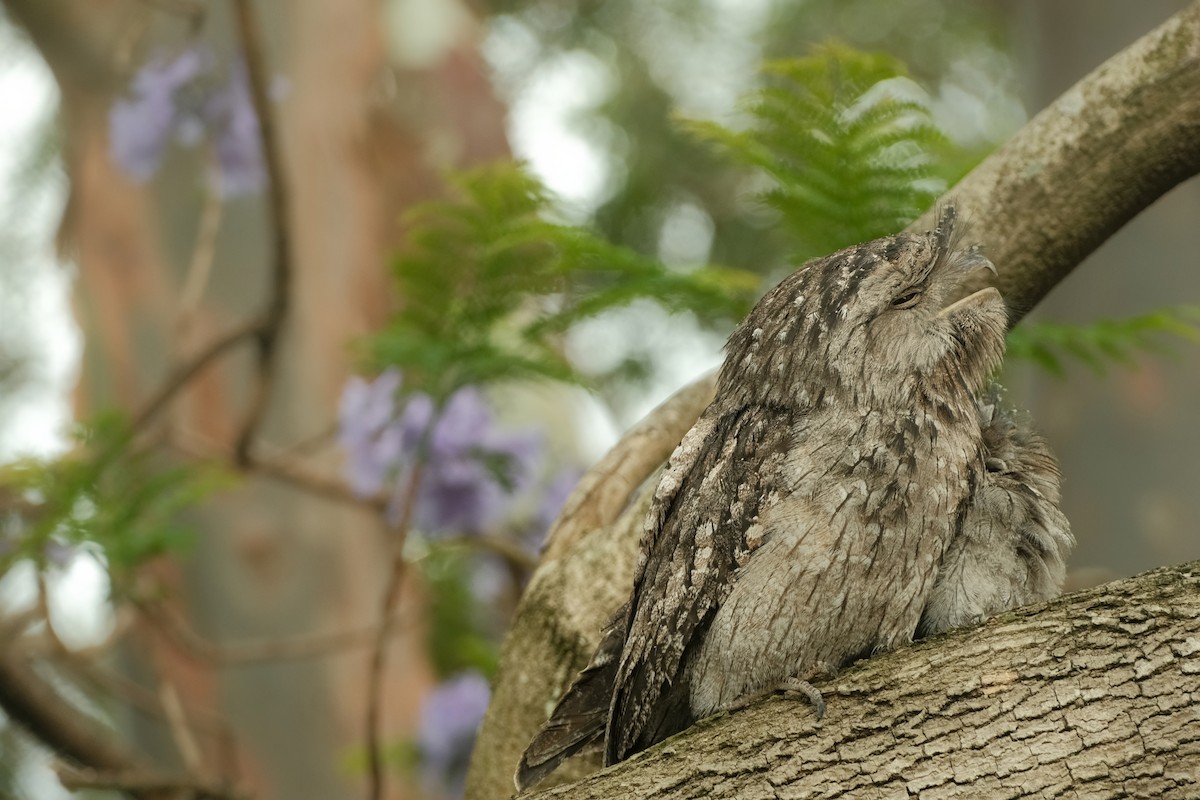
point(1012, 547)
point(850, 450)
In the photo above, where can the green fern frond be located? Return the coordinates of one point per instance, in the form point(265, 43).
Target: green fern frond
point(487, 283)
point(850, 158)
point(1098, 344)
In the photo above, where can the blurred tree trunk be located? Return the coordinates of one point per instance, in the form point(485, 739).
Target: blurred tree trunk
point(270, 561)
point(1128, 519)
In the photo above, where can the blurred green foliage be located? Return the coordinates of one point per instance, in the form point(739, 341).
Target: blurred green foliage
point(487, 283)
point(1051, 345)
point(681, 57)
point(107, 492)
point(459, 635)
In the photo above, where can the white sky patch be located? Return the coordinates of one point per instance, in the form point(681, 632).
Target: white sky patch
point(77, 607)
point(417, 33)
point(677, 347)
point(977, 100)
point(708, 63)
point(686, 236)
point(29, 96)
point(546, 130)
point(37, 307)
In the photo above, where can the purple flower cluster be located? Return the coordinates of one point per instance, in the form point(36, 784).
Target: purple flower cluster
point(450, 718)
point(471, 470)
point(187, 99)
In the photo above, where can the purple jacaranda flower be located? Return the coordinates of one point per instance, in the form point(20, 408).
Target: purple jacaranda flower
point(450, 718)
point(365, 416)
point(142, 124)
point(238, 148)
point(470, 469)
point(189, 98)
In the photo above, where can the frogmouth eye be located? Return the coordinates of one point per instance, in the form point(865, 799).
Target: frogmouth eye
point(907, 300)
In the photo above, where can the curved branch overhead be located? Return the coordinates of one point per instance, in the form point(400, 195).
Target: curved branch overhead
point(1094, 159)
point(1109, 147)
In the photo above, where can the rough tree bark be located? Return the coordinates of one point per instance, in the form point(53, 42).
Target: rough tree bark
point(1094, 695)
point(1105, 150)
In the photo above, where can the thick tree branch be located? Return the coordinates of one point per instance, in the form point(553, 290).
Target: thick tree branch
point(1105, 150)
point(1118, 140)
point(279, 210)
point(92, 749)
point(604, 491)
point(30, 701)
point(1097, 694)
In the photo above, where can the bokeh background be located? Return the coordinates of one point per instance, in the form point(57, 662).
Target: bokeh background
point(135, 228)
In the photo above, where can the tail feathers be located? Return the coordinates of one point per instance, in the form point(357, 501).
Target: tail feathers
point(579, 719)
point(558, 740)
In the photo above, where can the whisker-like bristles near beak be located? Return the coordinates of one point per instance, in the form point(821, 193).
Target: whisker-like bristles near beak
point(969, 300)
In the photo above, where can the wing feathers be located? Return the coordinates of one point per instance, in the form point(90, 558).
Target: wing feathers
point(696, 535)
point(578, 720)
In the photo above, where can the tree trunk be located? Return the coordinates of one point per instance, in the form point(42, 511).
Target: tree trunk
point(1094, 695)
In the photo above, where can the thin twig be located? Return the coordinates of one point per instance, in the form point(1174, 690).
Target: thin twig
point(200, 265)
point(183, 374)
point(43, 606)
point(141, 782)
point(311, 443)
point(183, 8)
point(391, 596)
point(14, 624)
point(45, 645)
point(292, 472)
point(147, 702)
point(129, 40)
point(178, 633)
point(181, 730)
point(286, 469)
point(512, 553)
point(30, 700)
point(278, 209)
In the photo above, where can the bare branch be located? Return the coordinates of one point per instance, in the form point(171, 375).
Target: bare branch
point(237, 654)
point(513, 554)
point(1105, 150)
point(279, 208)
point(376, 779)
point(177, 723)
point(200, 264)
point(184, 374)
point(142, 783)
point(188, 9)
point(31, 702)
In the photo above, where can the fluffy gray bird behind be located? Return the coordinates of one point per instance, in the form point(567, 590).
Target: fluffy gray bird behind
point(1012, 548)
point(847, 484)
